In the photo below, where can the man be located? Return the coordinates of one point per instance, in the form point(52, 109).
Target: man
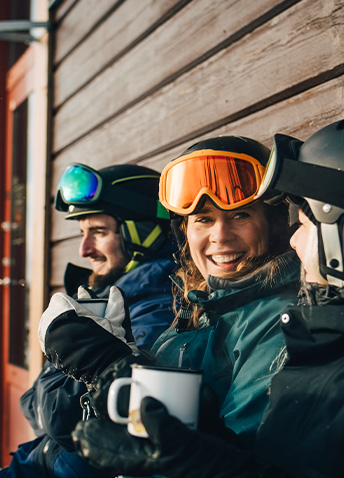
point(126, 236)
point(123, 227)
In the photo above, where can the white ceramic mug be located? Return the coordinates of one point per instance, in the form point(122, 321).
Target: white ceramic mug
point(97, 306)
point(178, 389)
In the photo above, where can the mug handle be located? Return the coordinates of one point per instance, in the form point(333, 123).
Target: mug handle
point(112, 401)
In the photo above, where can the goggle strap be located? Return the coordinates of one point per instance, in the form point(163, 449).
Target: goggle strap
point(323, 184)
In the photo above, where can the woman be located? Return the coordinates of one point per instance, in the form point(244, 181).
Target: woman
point(236, 277)
point(302, 430)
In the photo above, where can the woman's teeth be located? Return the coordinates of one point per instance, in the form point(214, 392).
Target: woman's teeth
point(226, 259)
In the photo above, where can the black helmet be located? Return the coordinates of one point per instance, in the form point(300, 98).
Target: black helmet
point(226, 169)
point(234, 144)
point(127, 192)
point(314, 172)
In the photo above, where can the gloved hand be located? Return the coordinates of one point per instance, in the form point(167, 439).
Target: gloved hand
point(172, 448)
point(209, 416)
point(109, 446)
point(182, 452)
point(117, 312)
point(82, 344)
point(120, 368)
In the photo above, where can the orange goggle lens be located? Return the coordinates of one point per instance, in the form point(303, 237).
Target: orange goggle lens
point(230, 181)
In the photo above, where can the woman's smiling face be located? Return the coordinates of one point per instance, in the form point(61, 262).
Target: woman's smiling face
point(220, 240)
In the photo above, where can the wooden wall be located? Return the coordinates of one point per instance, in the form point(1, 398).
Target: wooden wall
point(140, 80)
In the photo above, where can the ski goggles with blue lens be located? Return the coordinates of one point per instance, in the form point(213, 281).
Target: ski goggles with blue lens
point(82, 186)
point(79, 185)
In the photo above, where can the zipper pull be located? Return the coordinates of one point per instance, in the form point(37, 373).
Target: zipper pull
point(181, 353)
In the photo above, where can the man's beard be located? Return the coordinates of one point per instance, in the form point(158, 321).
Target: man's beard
point(98, 281)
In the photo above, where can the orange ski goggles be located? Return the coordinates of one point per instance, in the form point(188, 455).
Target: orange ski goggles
point(230, 180)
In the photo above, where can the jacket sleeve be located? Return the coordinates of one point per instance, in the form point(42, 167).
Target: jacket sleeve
point(52, 405)
point(150, 317)
point(306, 398)
point(148, 289)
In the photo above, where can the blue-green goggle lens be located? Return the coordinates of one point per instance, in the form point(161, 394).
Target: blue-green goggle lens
point(79, 185)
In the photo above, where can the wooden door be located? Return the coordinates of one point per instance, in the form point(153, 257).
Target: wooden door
point(15, 293)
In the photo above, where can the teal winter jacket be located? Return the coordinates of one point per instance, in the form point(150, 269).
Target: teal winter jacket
point(239, 340)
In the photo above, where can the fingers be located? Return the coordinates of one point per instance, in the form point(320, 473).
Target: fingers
point(84, 293)
point(115, 310)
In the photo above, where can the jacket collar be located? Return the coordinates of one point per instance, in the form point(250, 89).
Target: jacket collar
point(227, 294)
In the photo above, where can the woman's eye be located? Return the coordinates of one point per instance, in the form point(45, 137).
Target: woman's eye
point(202, 219)
point(241, 215)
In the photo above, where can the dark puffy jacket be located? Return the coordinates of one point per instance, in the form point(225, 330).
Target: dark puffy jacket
point(302, 430)
point(52, 405)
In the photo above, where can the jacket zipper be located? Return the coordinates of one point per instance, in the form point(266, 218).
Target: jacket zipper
point(181, 354)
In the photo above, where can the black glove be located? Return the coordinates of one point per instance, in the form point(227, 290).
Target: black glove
point(209, 416)
point(109, 446)
point(120, 368)
point(82, 344)
point(186, 453)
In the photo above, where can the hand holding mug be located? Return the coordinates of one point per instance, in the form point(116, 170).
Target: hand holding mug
point(178, 389)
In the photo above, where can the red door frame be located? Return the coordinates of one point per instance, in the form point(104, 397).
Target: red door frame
point(3, 70)
point(15, 428)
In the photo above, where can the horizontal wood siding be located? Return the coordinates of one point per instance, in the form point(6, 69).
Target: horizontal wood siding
point(140, 80)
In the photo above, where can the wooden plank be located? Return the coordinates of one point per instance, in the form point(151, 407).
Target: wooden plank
point(229, 85)
point(62, 9)
point(62, 228)
point(186, 37)
point(61, 254)
point(299, 116)
point(123, 27)
point(79, 21)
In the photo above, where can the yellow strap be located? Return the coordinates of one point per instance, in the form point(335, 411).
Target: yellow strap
point(152, 236)
point(135, 236)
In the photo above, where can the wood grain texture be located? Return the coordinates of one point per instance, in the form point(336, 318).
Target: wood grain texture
point(249, 75)
point(125, 26)
point(176, 45)
point(82, 17)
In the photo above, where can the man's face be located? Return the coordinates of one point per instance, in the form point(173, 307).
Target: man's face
point(101, 243)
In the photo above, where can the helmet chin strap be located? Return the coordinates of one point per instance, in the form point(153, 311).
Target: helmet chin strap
point(141, 240)
point(331, 254)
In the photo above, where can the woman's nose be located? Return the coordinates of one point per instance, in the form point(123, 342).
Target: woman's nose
point(222, 231)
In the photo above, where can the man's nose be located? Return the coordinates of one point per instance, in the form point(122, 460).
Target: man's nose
point(86, 247)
